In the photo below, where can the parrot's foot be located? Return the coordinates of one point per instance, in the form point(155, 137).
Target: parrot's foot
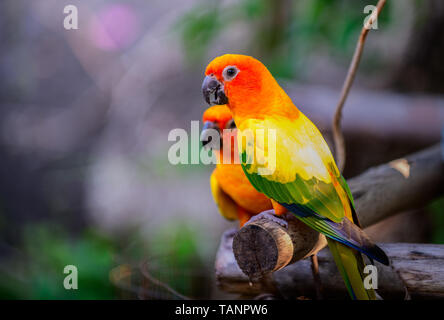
point(268, 215)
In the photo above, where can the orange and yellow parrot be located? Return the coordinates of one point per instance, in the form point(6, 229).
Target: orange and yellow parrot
point(235, 197)
point(303, 177)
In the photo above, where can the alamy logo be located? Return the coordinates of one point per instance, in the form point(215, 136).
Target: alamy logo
point(71, 21)
point(71, 281)
point(371, 280)
point(259, 147)
point(371, 21)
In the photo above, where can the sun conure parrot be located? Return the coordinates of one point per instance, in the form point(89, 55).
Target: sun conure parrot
point(235, 197)
point(305, 179)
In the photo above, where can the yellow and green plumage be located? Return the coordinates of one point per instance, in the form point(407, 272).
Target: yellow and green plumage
point(313, 189)
point(303, 176)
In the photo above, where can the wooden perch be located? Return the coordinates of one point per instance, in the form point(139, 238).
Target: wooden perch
point(416, 271)
point(264, 246)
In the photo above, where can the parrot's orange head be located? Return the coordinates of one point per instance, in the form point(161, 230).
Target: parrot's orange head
point(219, 118)
point(241, 82)
point(220, 115)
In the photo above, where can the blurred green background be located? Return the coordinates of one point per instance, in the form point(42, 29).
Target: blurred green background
point(85, 114)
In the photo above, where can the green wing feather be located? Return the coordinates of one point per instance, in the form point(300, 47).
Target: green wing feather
point(314, 194)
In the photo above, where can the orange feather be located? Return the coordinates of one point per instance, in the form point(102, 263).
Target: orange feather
point(230, 175)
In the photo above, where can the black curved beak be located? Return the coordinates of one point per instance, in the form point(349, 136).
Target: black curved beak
point(209, 132)
point(213, 91)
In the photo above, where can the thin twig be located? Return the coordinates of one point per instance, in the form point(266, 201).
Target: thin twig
point(146, 274)
point(337, 132)
point(316, 276)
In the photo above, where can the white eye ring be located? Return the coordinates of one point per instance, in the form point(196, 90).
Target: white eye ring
point(230, 72)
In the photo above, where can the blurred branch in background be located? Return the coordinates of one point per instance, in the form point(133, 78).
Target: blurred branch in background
point(378, 126)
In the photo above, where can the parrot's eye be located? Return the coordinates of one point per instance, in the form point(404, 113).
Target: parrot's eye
point(230, 73)
point(230, 124)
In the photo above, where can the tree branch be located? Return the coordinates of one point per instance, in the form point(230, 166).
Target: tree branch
point(337, 132)
point(416, 271)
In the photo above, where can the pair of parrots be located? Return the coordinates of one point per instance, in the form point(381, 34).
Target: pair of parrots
point(305, 179)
